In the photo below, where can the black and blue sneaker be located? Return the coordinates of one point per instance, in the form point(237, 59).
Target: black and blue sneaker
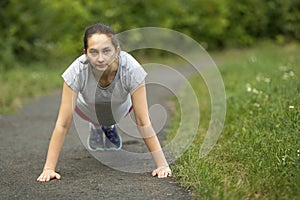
point(95, 139)
point(113, 139)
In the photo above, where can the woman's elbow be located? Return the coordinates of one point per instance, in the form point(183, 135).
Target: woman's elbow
point(63, 124)
point(143, 121)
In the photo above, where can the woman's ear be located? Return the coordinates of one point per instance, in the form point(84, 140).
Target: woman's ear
point(118, 51)
point(84, 51)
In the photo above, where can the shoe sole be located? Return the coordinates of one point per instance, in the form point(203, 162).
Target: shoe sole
point(103, 149)
point(113, 148)
point(90, 148)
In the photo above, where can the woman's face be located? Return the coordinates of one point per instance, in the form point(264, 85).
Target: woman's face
point(101, 53)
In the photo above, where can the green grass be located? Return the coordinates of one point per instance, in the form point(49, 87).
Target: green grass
point(22, 84)
point(257, 155)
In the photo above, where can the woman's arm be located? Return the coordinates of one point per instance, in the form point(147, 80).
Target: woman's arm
point(61, 129)
point(140, 107)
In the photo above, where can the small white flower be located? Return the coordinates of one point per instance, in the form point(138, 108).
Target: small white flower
point(298, 151)
point(266, 98)
point(283, 158)
point(285, 76)
point(248, 86)
point(255, 91)
point(256, 105)
point(267, 80)
point(258, 78)
point(291, 74)
point(292, 107)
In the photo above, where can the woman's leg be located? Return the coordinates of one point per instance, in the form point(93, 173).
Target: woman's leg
point(83, 116)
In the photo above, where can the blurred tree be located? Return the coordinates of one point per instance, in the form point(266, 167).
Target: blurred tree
point(40, 29)
point(248, 21)
point(205, 21)
point(284, 20)
point(18, 26)
point(63, 24)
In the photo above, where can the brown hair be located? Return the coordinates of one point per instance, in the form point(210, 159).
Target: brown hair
point(100, 29)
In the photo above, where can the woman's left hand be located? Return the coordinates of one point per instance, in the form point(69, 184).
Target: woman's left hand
point(162, 172)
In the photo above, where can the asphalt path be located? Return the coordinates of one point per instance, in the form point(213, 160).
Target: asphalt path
point(24, 139)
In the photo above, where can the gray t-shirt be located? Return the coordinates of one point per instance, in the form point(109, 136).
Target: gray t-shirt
point(110, 104)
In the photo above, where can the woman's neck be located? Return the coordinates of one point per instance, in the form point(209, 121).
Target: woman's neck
point(106, 77)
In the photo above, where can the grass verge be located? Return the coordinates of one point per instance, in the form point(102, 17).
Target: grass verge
point(21, 84)
point(257, 155)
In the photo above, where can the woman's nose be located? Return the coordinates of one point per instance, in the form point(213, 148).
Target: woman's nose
point(100, 57)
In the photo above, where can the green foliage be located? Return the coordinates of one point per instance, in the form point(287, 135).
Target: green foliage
point(257, 155)
point(254, 19)
point(47, 29)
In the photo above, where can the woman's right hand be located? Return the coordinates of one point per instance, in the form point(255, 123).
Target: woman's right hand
point(47, 175)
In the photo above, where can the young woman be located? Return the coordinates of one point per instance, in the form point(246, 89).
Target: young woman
point(102, 86)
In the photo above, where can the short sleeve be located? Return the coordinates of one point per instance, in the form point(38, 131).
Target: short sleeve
point(138, 75)
point(74, 75)
point(134, 74)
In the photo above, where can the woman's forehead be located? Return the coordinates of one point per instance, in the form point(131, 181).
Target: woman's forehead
point(99, 41)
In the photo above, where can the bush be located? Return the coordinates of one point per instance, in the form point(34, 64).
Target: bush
point(37, 30)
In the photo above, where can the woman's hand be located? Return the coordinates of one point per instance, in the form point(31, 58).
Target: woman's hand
point(162, 172)
point(47, 175)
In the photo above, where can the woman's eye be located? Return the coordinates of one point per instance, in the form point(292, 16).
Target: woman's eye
point(94, 52)
point(106, 51)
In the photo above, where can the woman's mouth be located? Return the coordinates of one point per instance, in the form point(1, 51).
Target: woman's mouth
point(101, 65)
